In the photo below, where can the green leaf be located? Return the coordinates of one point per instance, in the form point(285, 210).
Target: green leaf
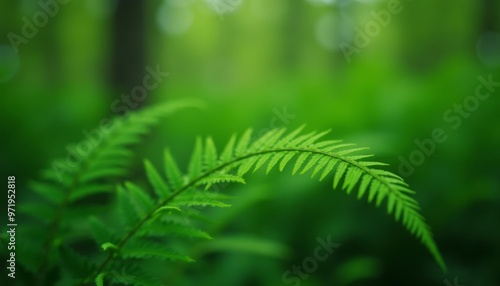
point(328, 169)
point(262, 160)
point(141, 201)
point(268, 139)
point(286, 159)
point(272, 163)
point(227, 153)
point(144, 250)
point(221, 178)
point(210, 154)
point(126, 210)
point(159, 185)
point(242, 145)
point(365, 182)
point(173, 230)
point(289, 137)
point(109, 246)
point(312, 162)
point(300, 160)
point(68, 185)
point(48, 191)
point(133, 276)
point(341, 168)
point(200, 203)
point(352, 178)
point(309, 152)
point(311, 140)
point(167, 209)
point(102, 174)
point(100, 231)
point(88, 190)
point(246, 165)
point(195, 165)
point(99, 280)
point(174, 175)
point(78, 265)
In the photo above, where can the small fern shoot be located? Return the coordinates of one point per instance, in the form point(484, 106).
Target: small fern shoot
point(150, 218)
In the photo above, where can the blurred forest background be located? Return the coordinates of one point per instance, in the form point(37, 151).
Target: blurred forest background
point(263, 64)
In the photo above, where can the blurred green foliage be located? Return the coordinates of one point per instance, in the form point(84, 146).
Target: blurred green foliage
point(251, 63)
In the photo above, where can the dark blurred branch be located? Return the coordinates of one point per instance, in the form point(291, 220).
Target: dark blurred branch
point(128, 46)
point(489, 15)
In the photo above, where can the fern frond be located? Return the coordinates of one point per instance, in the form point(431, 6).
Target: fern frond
point(221, 178)
point(172, 171)
point(140, 199)
point(196, 163)
point(144, 249)
point(228, 151)
point(274, 161)
point(108, 246)
point(48, 191)
point(132, 276)
point(87, 191)
point(99, 231)
point(99, 280)
point(77, 264)
point(210, 154)
point(242, 145)
point(172, 229)
point(199, 203)
point(342, 162)
point(159, 185)
point(79, 176)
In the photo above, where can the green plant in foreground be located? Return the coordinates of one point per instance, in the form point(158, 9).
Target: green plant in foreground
point(146, 225)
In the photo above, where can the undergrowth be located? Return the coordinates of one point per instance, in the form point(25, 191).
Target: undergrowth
point(84, 229)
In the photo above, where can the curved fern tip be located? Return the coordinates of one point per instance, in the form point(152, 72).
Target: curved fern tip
point(108, 246)
point(324, 158)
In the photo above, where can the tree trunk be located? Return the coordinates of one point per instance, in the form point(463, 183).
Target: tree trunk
point(128, 47)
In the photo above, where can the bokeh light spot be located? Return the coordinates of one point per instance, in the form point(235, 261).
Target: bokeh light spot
point(488, 48)
point(174, 19)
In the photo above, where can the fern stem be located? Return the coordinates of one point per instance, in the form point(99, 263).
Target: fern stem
point(193, 183)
